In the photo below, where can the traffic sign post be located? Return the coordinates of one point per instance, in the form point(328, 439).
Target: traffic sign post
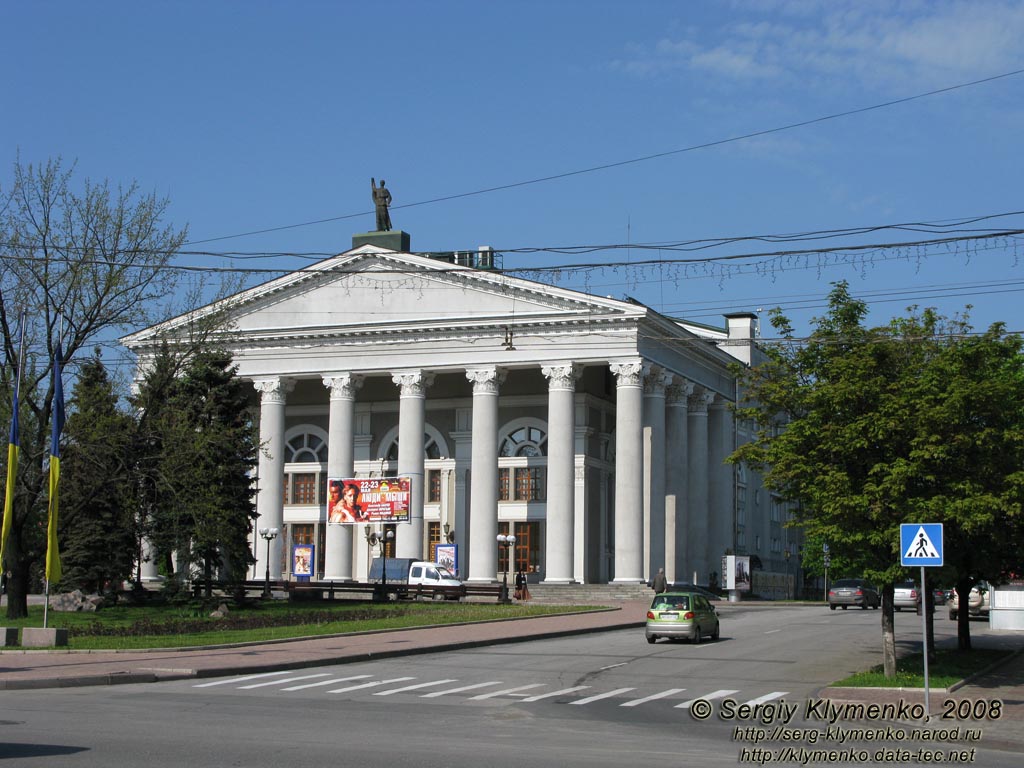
point(921, 544)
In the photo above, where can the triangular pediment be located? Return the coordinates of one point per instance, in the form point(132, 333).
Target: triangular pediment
point(370, 289)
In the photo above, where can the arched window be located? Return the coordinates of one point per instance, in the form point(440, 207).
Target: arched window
point(526, 441)
point(431, 449)
point(305, 448)
point(305, 485)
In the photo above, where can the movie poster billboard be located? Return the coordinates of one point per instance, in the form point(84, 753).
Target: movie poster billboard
point(736, 572)
point(448, 556)
point(368, 500)
point(303, 558)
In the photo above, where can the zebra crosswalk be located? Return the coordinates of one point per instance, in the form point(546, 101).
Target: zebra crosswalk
point(489, 690)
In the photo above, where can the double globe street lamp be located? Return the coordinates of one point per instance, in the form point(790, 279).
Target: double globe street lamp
point(508, 542)
point(381, 539)
point(268, 534)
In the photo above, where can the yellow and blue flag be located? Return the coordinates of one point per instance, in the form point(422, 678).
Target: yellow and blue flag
point(53, 571)
point(12, 473)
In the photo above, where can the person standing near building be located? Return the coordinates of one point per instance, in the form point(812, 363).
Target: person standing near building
point(659, 582)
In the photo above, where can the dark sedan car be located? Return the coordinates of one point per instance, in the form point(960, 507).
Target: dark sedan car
point(847, 592)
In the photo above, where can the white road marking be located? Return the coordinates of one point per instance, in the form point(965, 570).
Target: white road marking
point(325, 682)
point(613, 666)
point(278, 682)
point(556, 693)
point(371, 684)
point(460, 690)
point(662, 695)
point(766, 697)
point(772, 631)
point(242, 679)
point(600, 696)
point(505, 692)
point(414, 687)
point(709, 697)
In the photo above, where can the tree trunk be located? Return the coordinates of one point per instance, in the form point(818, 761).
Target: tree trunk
point(963, 615)
point(18, 581)
point(888, 632)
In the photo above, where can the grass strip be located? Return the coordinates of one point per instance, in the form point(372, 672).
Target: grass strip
point(947, 668)
point(140, 627)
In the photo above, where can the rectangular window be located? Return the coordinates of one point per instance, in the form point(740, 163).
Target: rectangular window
point(527, 555)
point(503, 482)
point(433, 485)
point(304, 486)
point(433, 539)
point(530, 484)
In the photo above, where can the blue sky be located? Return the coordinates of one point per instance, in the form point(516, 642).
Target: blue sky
point(262, 115)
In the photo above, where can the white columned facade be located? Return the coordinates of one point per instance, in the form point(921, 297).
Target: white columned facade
point(412, 418)
point(270, 489)
point(340, 464)
point(483, 489)
point(676, 460)
point(561, 490)
point(629, 471)
point(721, 525)
point(697, 518)
point(654, 469)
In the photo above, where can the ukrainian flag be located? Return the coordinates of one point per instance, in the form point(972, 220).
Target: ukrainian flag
point(53, 571)
point(12, 473)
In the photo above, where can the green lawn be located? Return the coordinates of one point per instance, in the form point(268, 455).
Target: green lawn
point(948, 667)
point(125, 627)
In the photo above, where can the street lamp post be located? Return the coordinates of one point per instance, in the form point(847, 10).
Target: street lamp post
point(508, 542)
point(787, 554)
point(268, 534)
point(381, 539)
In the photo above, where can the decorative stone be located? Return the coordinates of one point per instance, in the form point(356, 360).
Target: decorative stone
point(71, 602)
point(38, 637)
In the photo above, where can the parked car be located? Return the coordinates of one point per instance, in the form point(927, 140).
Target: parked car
point(906, 595)
point(940, 596)
point(977, 601)
point(681, 615)
point(846, 592)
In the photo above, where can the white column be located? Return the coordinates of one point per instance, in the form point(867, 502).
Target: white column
point(721, 524)
point(270, 491)
point(676, 396)
point(697, 518)
point(629, 471)
point(149, 567)
point(412, 418)
point(654, 469)
point(561, 491)
point(483, 489)
point(340, 463)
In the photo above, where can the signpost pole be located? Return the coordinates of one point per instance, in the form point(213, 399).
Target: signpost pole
point(924, 642)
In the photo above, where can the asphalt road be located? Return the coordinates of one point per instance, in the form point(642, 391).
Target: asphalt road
point(606, 699)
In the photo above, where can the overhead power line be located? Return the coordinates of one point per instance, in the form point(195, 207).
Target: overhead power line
point(621, 163)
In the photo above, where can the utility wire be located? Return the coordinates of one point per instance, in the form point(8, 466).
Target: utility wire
point(620, 163)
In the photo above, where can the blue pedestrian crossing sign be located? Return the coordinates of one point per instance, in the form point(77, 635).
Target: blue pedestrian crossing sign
point(921, 544)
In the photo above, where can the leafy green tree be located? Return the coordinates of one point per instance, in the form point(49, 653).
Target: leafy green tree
point(870, 427)
point(88, 257)
point(98, 522)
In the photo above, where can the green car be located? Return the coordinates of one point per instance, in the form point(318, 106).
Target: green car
point(681, 614)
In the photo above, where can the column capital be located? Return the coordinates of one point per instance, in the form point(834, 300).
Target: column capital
point(678, 392)
point(562, 375)
point(273, 390)
point(343, 386)
point(486, 380)
point(719, 402)
point(629, 373)
point(656, 379)
point(699, 402)
point(413, 383)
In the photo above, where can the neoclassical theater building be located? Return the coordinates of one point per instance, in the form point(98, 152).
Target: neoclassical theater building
point(595, 430)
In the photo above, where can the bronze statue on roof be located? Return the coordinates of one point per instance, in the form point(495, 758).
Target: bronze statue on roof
point(381, 199)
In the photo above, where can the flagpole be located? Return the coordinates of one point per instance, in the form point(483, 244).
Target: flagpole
point(53, 568)
point(12, 454)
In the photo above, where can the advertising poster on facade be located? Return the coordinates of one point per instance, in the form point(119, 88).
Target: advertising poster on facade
point(448, 556)
point(303, 558)
point(368, 500)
